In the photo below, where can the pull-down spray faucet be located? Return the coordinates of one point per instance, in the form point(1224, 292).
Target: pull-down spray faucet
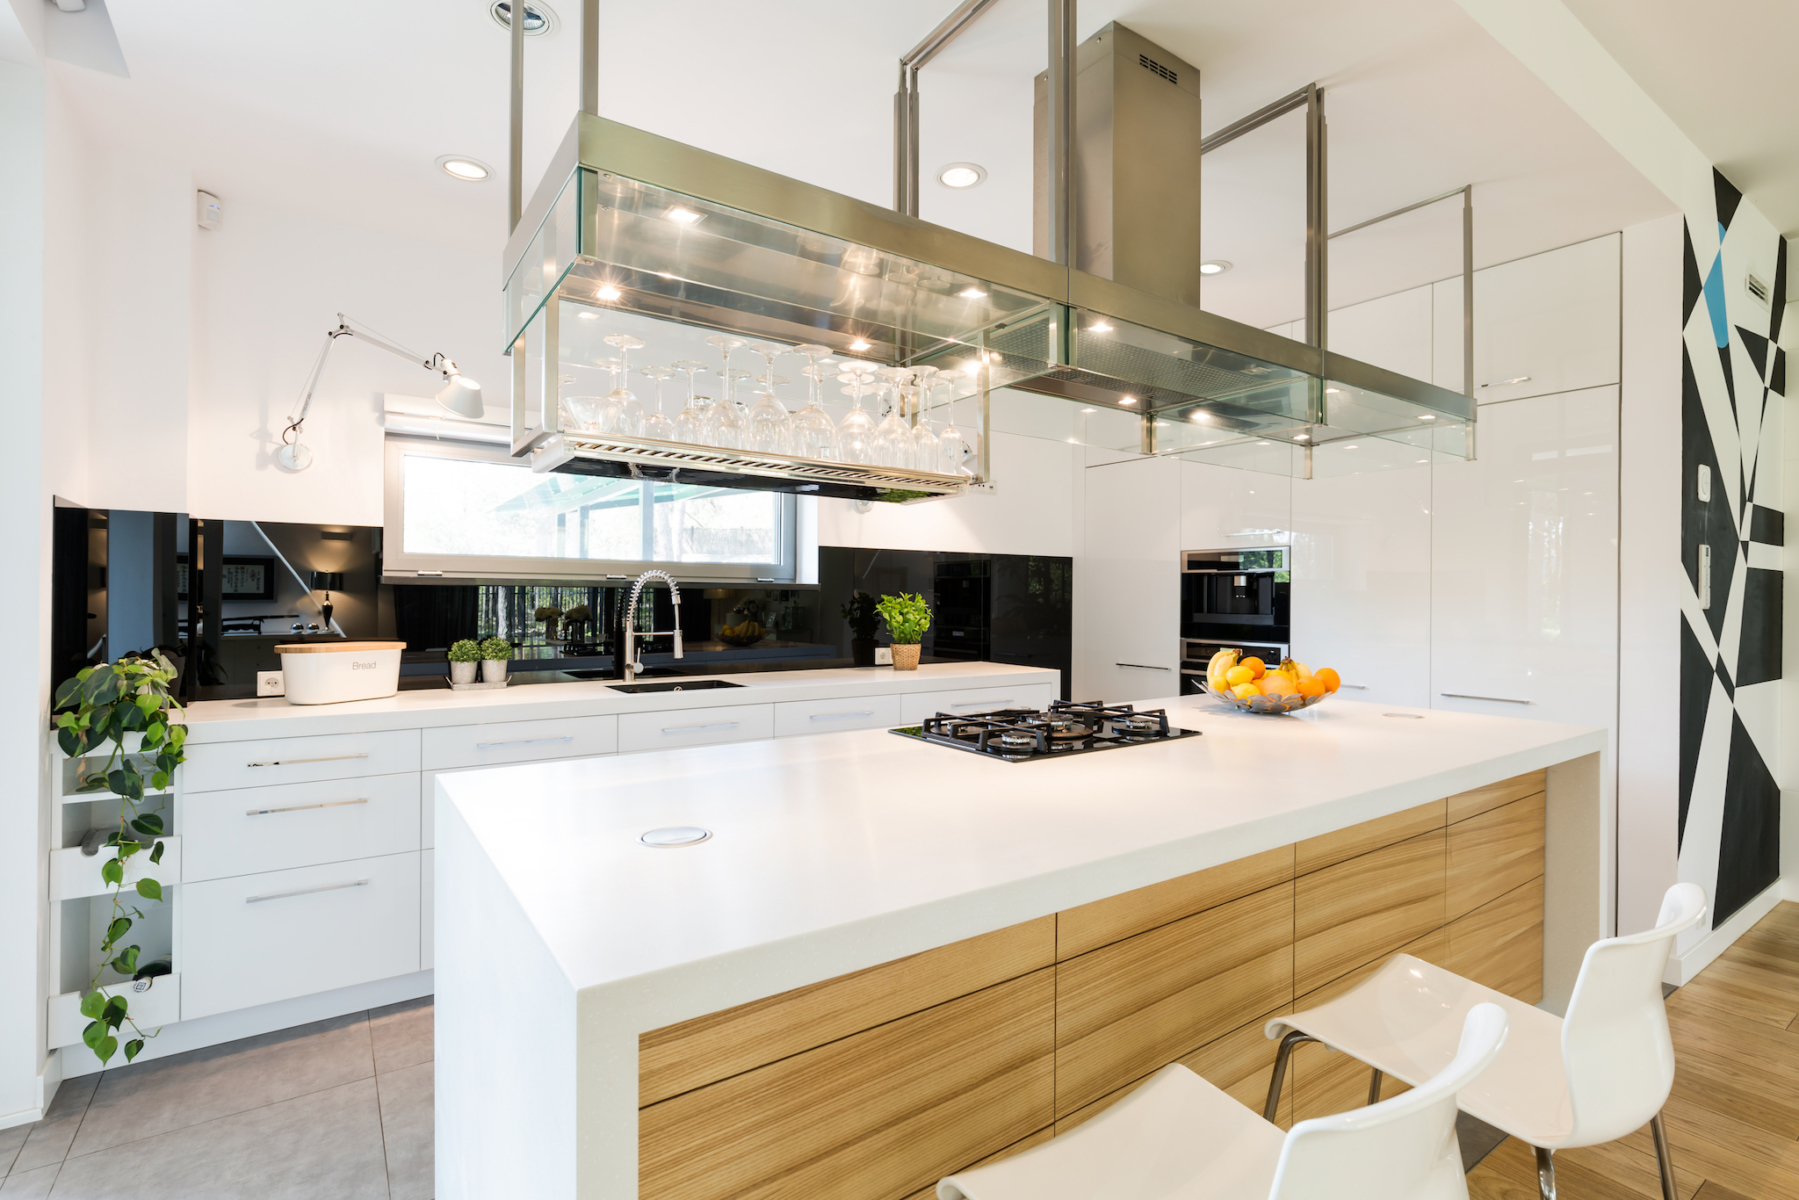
point(628, 665)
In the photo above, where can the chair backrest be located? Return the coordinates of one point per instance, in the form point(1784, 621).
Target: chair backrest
point(1400, 1149)
point(1615, 1043)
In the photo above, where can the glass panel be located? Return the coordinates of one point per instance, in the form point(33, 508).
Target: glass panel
point(715, 525)
point(545, 259)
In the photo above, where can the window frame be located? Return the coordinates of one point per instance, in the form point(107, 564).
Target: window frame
point(397, 566)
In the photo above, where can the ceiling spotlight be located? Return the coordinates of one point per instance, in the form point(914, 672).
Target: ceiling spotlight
point(685, 216)
point(461, 166)
point(1099, 327)
point(1216, 266)
point(1198, 416)
point(961, 175)
point(1127, 399)
point(859, 346)
point(540, 18)
point(1300, 437)
point(1426, 417)
point(972, 293)
point(608, 292)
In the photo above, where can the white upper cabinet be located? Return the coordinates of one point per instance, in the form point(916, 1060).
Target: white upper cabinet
point(1524, 568)
point(1127, 592)
point(1392, 332)
point(1549, 321)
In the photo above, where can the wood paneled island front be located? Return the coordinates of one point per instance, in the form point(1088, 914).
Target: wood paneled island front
point(877, 1080)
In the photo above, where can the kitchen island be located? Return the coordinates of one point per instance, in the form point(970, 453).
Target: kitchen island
point(892, 960)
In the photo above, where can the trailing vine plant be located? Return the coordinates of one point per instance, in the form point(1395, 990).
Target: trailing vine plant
point(104, 704)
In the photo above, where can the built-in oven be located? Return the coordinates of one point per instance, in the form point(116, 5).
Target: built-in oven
point(1239, 598)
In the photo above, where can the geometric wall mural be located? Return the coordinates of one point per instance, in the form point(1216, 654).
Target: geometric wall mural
point(1732, 388)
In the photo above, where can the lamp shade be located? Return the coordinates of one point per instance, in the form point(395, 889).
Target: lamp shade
point(462, 396)
point(327, 581)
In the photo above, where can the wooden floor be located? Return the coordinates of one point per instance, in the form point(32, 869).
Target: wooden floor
point(1733, 1120)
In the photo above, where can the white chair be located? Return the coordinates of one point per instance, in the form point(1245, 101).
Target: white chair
point(1593, 1077)
point(1179, 1138)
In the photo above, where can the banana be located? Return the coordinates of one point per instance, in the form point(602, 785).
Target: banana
point(1221, 662)
point(1296, 669)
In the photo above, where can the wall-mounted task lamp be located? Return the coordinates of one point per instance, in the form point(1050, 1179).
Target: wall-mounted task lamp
point(460, 395)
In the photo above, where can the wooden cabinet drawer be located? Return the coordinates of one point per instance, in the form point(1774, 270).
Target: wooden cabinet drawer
point(212, 766)
point(246, 830)
point(1366, 908)
point(519, 741)
point(828, 716)
point(254, 939)
point(916, 706)
point(1494, 853)
point(695, 726)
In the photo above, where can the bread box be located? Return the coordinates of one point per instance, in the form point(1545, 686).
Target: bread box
point(332, 672)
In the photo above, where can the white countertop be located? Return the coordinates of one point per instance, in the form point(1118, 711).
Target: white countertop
point(235, 720)
point(838, 851)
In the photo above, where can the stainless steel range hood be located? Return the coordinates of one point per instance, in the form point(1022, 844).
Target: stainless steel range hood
point(635, 224)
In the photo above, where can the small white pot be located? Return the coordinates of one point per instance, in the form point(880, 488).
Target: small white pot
point(461, 672)
point(493, 670)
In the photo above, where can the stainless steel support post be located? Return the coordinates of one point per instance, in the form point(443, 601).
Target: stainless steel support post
point(1662, 1158)
point(1317, 216)
point(984, 456)
point(1468, 291)
point(1294, 1038)
point(1374, 1082)
point(905, 141)
point(590, 57)
point(1060, 172)
point(515, 156)
point(1545, 1173)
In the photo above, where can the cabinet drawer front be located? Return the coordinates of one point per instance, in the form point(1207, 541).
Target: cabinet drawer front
point(254, 939)
point(826, 716)
point(247, 830)
point(212, 766)
point(916, 706)
point(695, 726)
point(519, 741)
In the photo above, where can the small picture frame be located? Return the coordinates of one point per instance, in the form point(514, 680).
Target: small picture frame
point(242, 577)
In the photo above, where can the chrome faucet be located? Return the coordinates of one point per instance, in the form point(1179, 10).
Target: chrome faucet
point(627, 651)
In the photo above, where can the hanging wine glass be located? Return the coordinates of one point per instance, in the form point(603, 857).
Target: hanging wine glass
point(622, 413)
point(857, 426)
point(927, 452)
point(655, 424)
point(690, 422)
point(724, 424)
point(953, 450)
point(814, 434)
point(892, 441)
point(767, 423)
point(584, 413)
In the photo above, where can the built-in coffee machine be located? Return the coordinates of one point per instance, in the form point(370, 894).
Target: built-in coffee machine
point(1238, 598)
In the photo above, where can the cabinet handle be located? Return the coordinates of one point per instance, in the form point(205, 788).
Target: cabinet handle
point(263, 812)
point(294, 762)
point(867, 712)
point(524, 742)
point(702, 728)
point(329, 887)
point(1140, 666)
point(1494, 699)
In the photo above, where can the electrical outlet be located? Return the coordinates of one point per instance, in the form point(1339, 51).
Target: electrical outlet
point(883, 656)
point(1705, 484)
point(269, 683)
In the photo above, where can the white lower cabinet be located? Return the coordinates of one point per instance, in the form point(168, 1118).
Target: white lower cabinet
point(827, 716)
point(297, 825)
point(212, 766)
point(427, 881)
point(500, 742)
point(254, 939)
point(695, 726)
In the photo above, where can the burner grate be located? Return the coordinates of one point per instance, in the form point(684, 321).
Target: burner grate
point(1065, 728)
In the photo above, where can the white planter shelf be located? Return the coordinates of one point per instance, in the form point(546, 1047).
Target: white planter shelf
point(74, 875)
point(158, 1003)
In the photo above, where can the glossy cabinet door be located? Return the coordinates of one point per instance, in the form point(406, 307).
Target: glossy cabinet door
point(1127, 594)
point(1524, 567)
point(1391, 331)
point(1550, 321)
point(1362, 582)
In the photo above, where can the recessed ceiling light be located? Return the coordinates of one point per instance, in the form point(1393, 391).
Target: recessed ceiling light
point(961, 175)
point(972, 293)
point(685, 216)
point(1216, 266)
point(1127, 399)
point(540, 18)
point(461, 166)
point(1099, 327)
point(859, 346)
point(608, 292)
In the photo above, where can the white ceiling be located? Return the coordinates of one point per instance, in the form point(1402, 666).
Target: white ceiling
point(1724, 72)
point(339, 110)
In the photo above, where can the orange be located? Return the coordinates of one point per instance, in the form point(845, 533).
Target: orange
point(1256, 665)
point(1310, 687)
point(1276, 684)
point(1241, 673)
point(1244, 691)
point(1328, 678)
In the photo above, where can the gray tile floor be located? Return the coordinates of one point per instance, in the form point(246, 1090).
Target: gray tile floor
point(341, 1109)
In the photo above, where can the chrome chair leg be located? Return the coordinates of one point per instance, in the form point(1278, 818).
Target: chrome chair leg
point(1545, 1173)
point(1662, 1158)
point(1374, 1087)
point(1294, 1037)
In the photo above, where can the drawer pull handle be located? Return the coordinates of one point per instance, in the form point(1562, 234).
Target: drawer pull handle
point(1494, 699)
point(524, 742)
point(1141, 666)
point(866, 712)
point(263, 812)
point(294, 762)
point(702, 728)
point(984, 703)
point(330, 887)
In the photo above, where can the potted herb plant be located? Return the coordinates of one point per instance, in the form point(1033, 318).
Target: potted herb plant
point(863, 620)
point(465, 660)
point(495, 654)
point(907, 619)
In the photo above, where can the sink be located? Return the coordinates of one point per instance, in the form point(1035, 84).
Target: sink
point(603, 673)
point(674, 685)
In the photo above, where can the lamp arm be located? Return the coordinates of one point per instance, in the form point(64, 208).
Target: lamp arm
point(437, 362)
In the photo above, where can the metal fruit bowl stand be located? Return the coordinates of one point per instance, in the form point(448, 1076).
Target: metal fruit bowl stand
point(1268, 706)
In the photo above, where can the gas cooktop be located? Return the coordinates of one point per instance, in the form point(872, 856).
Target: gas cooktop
point(1065, 727)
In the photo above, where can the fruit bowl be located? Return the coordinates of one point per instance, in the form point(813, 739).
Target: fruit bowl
point(1269, 705)
point(738, 637)
point(1248, 684)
